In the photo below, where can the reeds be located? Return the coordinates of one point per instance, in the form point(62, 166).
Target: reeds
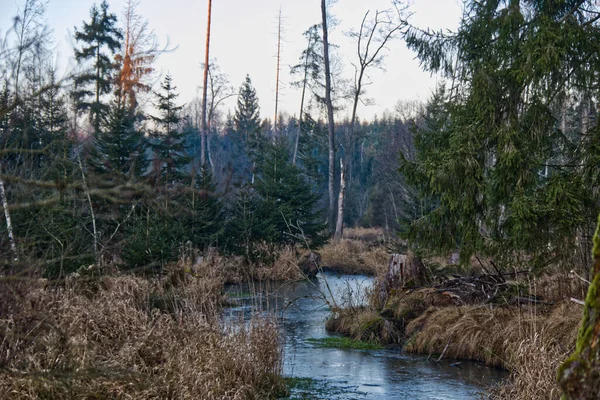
point(361, 251)
point(132, 338)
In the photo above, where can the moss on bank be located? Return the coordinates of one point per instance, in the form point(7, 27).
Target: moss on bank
point(344, 343)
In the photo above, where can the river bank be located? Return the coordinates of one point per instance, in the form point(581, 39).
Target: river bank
point(321, 365)
point(527, 337)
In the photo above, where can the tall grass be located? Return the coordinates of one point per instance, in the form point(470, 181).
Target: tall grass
point(360, 251)
point(132, 338)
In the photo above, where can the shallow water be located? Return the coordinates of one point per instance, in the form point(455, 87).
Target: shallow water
point(354, 374)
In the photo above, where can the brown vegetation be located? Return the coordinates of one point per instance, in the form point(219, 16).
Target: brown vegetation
point(361, 251)
point(127, 337)
point(530, 340)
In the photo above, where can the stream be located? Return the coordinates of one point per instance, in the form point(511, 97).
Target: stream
point(352, 374)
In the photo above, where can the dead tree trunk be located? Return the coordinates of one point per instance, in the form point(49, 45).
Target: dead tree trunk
point(330, 121)
point(339, 227)
point(299, 131)
point(205, 88)
point(403, 269)
point(277, 75)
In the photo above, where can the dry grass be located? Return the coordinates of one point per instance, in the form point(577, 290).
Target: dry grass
point(284, 268)
point(490, 334)
point(374, 236)
point(132, 338)
point(531, 342)
point(350, 256)
point(364, 324)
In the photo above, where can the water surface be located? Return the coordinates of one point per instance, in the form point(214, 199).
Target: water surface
point(354, 374)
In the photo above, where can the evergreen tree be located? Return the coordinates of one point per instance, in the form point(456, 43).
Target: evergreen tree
point(168, 141)
point(120, 149)
point(100, 40)
point(287, 211)
point(247, 113)
point(206, 224)
point(503, 188)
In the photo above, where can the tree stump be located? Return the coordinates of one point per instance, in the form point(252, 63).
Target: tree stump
point(403, 269)
point(310, 264)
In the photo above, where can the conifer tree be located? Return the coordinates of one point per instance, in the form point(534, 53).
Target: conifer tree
point(247, 112)
point(206, 224)
point(120, 148)
point(503, 187)
point(100, 40)
point(168, 142)
point(287, 211)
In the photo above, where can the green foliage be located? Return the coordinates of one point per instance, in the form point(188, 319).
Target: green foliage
point(98, 34)
point(503, 154)
point(344, 343)
point(287, 208)
point(154, 239)
point(247, 115)
point(206, 221)
point(119, 151)
point(168, 142)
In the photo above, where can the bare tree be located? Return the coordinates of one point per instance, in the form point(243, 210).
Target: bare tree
point(330, 120)
point(138, 53)
point(277, 73)
point(32, 33)
point(371, 39)
point(204, 133)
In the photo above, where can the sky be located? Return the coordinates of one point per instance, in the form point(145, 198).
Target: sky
point(244, 41)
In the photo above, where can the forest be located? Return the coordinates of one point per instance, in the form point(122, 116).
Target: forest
point(128, 214)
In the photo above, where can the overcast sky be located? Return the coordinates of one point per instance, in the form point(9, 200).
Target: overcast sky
point(244, 41)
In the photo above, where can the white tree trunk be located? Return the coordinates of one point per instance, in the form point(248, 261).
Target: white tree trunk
point(9, 227)
point(339, 227)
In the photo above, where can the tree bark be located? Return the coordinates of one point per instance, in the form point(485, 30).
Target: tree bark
point(277, 75)
point(9, 227)
point(339, 227)
point(299, 131)
point(330, 121)
point(204, 134)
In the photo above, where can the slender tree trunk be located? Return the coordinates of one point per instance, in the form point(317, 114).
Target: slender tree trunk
point(9, 227)
point(93, 215)
point(277, 74)
point(330, 121)
point(204, 134)
point(97, 104)
point(299, 131)
point(339, 227)
point(340, 216)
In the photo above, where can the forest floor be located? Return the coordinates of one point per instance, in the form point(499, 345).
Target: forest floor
point(529, 329)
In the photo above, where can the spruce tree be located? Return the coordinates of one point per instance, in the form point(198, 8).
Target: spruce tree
point(287, 211)
point(100, 39)
point(247, 112)
point(510, 182)
point(170, 161)
point(205, 226)
point(119, 151)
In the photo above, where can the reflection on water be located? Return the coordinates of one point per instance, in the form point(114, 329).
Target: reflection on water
point(354, 374)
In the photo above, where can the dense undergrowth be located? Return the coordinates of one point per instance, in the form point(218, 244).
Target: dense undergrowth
point(127, 337)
